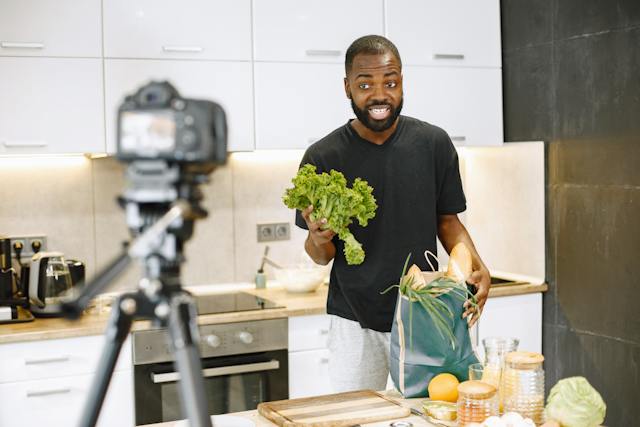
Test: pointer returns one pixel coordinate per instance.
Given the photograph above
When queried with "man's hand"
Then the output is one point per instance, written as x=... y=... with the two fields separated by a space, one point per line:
x=481 y=279
x=317 y=234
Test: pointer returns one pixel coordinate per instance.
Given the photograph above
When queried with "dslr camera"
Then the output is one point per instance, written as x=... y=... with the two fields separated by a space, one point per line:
x=156 y=123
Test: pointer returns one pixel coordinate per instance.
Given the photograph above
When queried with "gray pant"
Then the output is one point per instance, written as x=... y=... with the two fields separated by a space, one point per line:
x=359 y=357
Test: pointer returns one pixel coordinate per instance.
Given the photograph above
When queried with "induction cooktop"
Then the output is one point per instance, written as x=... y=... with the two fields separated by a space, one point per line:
x=232 y=301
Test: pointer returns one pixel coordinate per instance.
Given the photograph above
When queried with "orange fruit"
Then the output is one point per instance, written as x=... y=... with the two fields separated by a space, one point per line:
x=443 y=387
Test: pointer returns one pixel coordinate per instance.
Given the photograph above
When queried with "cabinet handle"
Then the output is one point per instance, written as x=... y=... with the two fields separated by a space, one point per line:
x=49 y=392
x=17 y=144
x=457 y=56
x=324 y=331
x=46 y=360
x=22 y=45
x=459 y=138
x=324 y=360
x=183 y=49
x=320 y=52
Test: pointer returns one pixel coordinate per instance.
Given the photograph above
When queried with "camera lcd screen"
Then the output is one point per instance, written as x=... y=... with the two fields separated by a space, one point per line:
x=147 y=133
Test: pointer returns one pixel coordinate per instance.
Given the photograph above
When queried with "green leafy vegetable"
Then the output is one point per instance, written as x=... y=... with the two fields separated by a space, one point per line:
x=427 y=297
x=573 y=402
x=332 y=199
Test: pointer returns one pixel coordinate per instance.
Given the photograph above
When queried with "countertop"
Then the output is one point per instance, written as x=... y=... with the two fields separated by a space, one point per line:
x=295 y=304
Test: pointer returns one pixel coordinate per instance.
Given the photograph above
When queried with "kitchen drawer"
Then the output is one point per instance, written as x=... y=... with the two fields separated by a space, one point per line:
x=308 y=31
x=309 y=373
x=308 y=332
x=227 y=83
x=187 y=29
x=55 y=358
x=50 y=28
x=59 y=402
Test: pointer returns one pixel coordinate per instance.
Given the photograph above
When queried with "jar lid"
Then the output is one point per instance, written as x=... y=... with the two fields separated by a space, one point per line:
x=476 y=389
x=524 y=359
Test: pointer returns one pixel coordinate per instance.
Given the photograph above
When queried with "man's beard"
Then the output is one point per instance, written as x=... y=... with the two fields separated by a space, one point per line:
x=377 y=125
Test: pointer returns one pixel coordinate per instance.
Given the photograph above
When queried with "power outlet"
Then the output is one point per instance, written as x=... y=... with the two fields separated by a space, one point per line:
x=28 y=244
x=273 y=232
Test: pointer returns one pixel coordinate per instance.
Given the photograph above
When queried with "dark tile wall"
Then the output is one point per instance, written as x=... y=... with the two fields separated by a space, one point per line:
x=571 y=77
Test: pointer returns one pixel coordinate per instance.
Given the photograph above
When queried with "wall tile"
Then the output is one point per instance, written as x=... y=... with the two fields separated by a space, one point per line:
x=532 y=19
x=597 y=90
x=527 y=94
x=580 y=17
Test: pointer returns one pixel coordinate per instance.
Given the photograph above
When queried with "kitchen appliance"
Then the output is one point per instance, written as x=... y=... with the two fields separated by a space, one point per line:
x=7 y=276
x=49 y=281
x=244 y=363
x=76 y=271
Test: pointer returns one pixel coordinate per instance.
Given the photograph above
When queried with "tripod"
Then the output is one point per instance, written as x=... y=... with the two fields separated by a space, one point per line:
x=159 y=296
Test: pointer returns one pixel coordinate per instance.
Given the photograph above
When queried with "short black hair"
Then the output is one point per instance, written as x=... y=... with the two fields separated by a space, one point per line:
x=370 y=45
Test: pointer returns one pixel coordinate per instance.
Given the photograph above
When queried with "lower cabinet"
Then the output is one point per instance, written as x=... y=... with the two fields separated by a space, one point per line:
x=308 y=356
x=47 y=382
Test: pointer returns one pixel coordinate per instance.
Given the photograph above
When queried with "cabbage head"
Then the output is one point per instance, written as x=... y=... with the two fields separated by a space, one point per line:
x=573 y=402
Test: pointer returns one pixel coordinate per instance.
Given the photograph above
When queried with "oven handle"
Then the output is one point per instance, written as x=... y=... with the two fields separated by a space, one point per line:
x=217 y=372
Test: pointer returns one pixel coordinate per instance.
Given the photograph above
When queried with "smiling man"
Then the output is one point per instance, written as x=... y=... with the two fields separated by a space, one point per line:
x=413 y=169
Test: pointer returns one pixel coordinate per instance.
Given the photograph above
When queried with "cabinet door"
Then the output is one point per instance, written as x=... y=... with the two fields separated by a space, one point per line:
x=59 y=402
x=308 y=332
x=297 y=104
x=196 y=29
x=312 y=31
x=449 y=33
x=50 y=28
x=227 y=83
x=309 y=373
x=465 y=102
x=518 y=316
x=51 y=105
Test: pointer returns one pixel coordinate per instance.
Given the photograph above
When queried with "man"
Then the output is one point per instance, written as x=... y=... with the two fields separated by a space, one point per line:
x=413 y=169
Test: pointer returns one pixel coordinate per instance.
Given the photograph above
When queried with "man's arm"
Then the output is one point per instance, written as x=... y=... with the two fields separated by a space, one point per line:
x=319 y=244
x=450 y=232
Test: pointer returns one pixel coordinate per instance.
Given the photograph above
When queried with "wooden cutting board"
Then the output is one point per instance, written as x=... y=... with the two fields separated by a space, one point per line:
x=341 y=409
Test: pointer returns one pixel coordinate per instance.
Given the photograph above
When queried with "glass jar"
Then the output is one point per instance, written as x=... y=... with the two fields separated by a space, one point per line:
x=523 y=385
x=495 y=350
x=477 y=401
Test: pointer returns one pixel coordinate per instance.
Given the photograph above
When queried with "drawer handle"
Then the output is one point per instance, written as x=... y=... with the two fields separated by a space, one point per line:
x=16 y=144
x=39 y=393
x=457 y=56
x=22 y=45
x=46 y=360
x=324 y=332
x=459 y=138
x=324 y=360
x=182 y=49
x=321 y=52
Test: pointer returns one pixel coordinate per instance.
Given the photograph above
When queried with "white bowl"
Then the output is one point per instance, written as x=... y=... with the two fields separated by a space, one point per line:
x=301 y=279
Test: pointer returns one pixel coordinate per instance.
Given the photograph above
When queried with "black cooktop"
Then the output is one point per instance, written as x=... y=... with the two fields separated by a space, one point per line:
x=232 y=301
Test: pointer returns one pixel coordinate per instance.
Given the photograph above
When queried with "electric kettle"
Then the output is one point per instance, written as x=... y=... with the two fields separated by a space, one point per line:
x=49 y=282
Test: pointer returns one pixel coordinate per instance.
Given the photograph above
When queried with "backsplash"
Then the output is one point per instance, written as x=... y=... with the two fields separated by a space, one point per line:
x=73 y=201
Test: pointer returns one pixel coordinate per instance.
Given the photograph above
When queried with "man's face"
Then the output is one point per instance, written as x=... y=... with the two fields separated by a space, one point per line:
x=374 y=86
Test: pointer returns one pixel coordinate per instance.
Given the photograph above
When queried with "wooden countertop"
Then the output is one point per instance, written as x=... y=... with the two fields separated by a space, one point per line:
x=295 y=304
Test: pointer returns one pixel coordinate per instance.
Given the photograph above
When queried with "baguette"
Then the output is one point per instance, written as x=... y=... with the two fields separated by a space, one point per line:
x=460 y=263
x=418 y=279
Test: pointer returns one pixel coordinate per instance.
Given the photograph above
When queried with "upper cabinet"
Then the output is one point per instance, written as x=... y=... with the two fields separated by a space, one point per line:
x=68 y=28
x=446 y=32
x=312 y=31
x=188 y=29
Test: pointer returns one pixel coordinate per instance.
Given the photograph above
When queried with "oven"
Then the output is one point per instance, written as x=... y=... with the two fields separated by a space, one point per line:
x=243 y=364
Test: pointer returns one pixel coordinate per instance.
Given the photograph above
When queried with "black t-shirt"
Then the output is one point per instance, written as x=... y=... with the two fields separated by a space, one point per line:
x=415 y=177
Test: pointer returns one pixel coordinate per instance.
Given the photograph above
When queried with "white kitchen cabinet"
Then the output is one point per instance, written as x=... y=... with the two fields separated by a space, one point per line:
x=308 y=356
x=67 y=28
x=189 y=29
x=465 y=102
x=47 y=383
x=297 y=104
x=518 y=316
x=312 y=31
x=51 y=105
x=446 y=33
x=227 y=83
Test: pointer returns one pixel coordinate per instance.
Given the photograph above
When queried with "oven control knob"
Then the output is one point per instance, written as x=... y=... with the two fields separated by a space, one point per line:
x=245 y=337
x=213 y=340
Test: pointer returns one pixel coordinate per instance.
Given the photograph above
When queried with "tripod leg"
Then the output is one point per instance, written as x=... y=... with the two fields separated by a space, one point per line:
x=117 y=331
x=183 y=330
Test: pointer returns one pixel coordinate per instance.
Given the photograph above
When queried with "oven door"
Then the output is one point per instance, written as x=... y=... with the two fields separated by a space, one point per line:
x=232 y=384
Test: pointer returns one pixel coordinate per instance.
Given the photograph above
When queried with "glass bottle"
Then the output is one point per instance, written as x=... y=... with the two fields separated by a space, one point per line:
x=523 y=385
x=477 y=401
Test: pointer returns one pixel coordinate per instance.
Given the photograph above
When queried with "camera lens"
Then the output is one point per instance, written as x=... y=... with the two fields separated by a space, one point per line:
x=151 y=97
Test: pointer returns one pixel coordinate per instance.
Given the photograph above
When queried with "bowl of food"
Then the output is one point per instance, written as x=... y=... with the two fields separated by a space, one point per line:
x=299 y=279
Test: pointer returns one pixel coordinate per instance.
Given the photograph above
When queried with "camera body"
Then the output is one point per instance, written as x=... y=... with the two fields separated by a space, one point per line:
x=156 y=123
